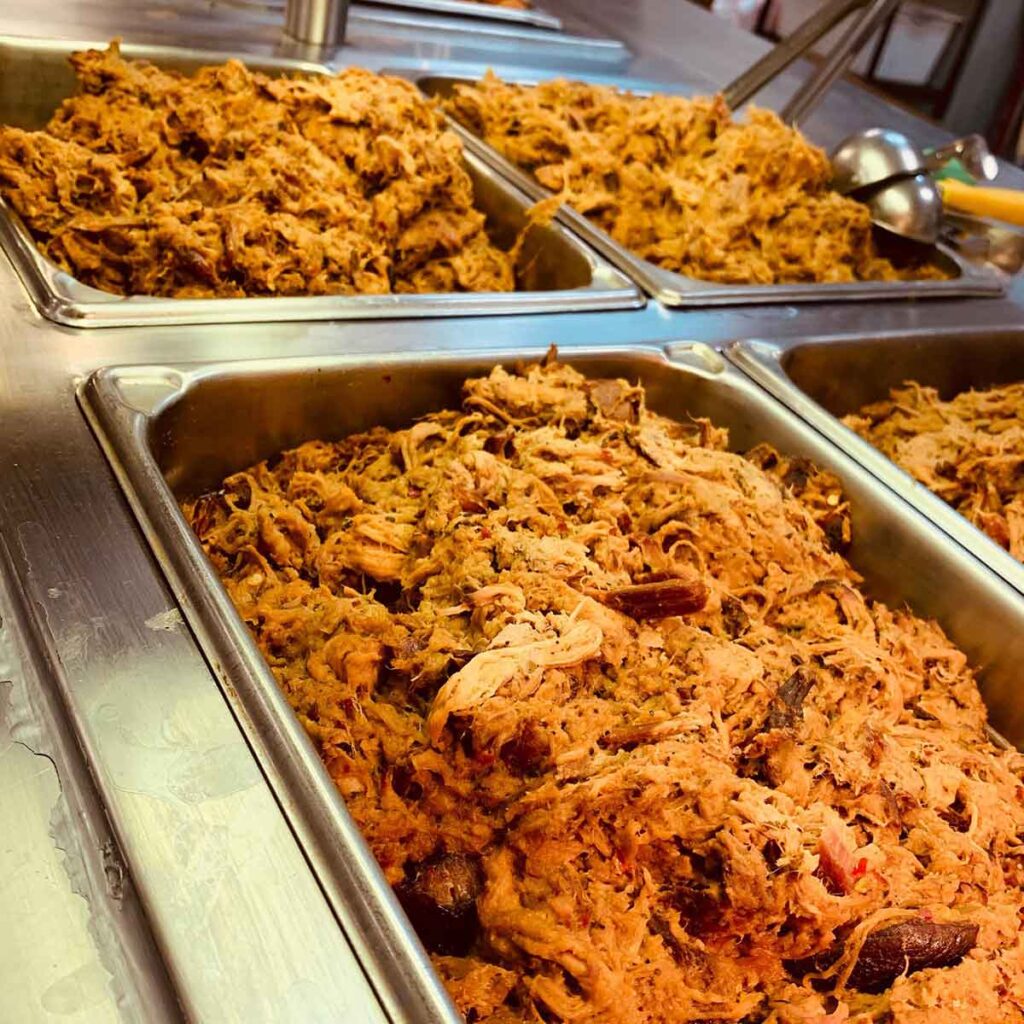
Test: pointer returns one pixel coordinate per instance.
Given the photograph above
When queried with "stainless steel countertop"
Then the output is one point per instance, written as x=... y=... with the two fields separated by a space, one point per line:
x=150 y=859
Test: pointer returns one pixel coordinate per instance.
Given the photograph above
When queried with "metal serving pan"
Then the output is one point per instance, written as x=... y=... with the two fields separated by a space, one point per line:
x=175 y=431
x=822 y=379
x=672 y=289
x=558 y=273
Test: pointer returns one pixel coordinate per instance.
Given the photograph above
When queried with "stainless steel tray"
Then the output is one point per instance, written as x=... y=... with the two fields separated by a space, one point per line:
x=174 y=431
x=822 y=379
x=672 y=289
x=558 y=272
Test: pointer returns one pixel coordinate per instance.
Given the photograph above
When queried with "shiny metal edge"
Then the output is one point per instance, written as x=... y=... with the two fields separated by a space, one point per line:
x=535 y=16
x=762 y=360
x=488 y=33
x=61 y=298
x=157 y=52
x=363 y=902
x=99 y=894
x=981 y=614
x=676 y=290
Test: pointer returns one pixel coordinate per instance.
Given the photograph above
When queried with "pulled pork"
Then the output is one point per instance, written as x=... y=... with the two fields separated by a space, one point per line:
x=619 y=723
x=233 y=183
x=680 y=183
x=969 y=451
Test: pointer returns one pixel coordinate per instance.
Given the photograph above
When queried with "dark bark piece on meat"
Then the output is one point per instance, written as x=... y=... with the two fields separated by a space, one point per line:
x=907 y=947
x=899 y=949
x=838 y=531
x=786 y=710
x=800 y=470
x=440 y=898
x=735 y=620
x=616 y=400
x=658 y=599
x=525 y=753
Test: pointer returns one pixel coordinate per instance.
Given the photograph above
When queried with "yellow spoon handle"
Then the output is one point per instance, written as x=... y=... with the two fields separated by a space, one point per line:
x=1006 y=204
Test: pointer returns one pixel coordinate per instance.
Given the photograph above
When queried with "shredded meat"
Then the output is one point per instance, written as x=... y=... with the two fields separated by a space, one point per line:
x=233 y=183
x=682 y=184
x=969 y=451
x=729 y=806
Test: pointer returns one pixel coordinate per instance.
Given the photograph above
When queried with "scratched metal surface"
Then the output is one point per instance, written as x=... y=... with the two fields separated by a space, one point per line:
x=83 y=950
x=188 y=893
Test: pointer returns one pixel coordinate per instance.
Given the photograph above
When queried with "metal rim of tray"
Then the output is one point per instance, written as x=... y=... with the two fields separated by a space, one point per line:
x=534 y=16
x=763 y=361
x=677 y=290
x=352 y=881
x=494 y=12
x=65 y=300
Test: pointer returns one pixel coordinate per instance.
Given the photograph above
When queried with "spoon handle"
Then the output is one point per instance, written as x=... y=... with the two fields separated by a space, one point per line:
x=777 y=59
x=809 y=95
x=1005 y=204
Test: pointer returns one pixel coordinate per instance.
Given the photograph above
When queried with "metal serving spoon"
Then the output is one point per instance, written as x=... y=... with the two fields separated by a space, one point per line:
x=878 y=154
x=886 y=170
x=910 y=207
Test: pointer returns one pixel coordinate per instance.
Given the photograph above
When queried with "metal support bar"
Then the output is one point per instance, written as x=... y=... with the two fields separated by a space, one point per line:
x=316 y=22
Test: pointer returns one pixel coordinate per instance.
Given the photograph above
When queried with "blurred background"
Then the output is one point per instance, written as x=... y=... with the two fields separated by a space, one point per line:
x=958 y=62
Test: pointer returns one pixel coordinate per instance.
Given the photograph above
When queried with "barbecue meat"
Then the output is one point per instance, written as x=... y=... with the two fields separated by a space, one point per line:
x=969 y=451
x=682 y=184
x=721 y=803
x=232 y=183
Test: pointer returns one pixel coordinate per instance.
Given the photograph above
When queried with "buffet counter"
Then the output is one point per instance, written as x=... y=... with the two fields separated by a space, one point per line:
x=150 y=834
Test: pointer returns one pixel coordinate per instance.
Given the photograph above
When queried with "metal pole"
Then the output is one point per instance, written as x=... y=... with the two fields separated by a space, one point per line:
x=837 y=61
x=316 y=22
x=773 y=63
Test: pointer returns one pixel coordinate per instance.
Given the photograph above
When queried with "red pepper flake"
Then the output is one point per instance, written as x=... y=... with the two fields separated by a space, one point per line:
x=861 y=869
x=485 y=533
